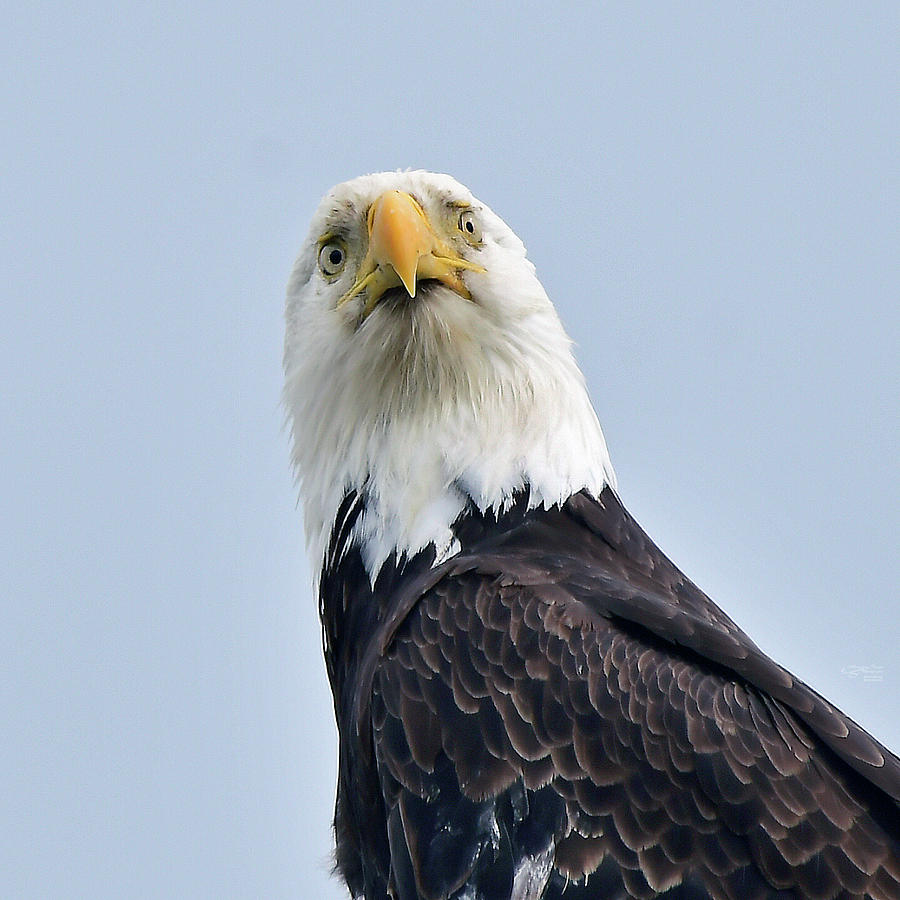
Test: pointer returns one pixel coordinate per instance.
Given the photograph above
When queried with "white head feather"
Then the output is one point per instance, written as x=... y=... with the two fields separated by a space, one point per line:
x=425 y=404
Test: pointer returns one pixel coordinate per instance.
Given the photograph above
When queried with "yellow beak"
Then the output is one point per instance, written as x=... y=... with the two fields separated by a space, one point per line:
x=399 y=235
x=404 y=249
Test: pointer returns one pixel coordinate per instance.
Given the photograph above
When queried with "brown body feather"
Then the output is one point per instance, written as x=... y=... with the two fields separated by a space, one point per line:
x=558 y=712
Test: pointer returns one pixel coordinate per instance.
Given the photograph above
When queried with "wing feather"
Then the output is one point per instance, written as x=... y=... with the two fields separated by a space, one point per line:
x=558 y=711
x=678 y=773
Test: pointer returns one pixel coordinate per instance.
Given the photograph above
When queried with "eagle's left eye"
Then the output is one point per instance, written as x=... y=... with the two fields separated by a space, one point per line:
x=468 y=225
x=332 y=258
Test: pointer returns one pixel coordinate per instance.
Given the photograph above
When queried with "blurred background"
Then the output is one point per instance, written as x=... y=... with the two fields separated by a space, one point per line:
x=711 y=196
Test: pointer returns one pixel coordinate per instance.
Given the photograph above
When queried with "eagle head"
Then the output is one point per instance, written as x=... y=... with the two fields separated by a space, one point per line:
x=427 y=371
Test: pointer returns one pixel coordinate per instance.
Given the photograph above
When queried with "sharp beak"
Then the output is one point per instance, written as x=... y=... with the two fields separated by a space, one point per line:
x=399 y=236
x=404 y=249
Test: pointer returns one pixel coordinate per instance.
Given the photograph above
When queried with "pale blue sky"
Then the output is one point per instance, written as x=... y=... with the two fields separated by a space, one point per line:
x=712 y=199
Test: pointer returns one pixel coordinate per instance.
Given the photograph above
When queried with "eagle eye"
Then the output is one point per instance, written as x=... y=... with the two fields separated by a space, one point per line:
x=468 y=225
x=332 y=258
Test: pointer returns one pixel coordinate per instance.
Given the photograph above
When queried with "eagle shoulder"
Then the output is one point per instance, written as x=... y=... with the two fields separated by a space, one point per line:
x=531 y=731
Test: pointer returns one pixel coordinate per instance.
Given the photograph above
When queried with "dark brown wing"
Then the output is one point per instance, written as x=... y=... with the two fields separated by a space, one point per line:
x=697 y=623
x=551 y=722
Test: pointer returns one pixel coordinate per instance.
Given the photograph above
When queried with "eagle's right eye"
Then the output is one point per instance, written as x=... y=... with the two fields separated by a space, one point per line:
x=332 y=258
x=468 y=225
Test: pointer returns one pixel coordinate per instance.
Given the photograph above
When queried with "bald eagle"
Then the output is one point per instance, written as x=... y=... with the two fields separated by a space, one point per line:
x=532 y=700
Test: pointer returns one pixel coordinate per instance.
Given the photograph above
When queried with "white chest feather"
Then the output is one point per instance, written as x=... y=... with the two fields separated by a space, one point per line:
x=425 y=409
